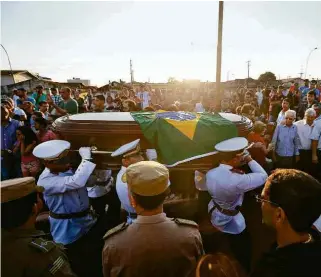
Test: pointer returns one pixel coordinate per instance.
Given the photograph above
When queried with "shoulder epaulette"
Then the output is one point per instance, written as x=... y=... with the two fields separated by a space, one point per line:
x=117 y=229
x=182 y=221
x=42 y=245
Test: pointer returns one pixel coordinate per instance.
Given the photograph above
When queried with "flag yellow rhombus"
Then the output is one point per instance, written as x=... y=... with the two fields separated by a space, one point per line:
x=187 y=127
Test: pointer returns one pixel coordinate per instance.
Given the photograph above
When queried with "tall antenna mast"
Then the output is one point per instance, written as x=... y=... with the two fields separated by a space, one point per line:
x=131 y=72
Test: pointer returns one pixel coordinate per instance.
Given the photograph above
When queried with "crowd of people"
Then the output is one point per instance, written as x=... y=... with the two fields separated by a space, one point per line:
x=282 y=151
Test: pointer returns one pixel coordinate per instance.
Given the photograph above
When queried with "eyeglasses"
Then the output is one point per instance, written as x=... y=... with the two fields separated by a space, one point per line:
x=289 y=118
x=259 y=199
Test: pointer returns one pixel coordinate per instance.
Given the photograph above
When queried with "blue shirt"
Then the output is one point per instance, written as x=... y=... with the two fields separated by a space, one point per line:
x=303 y=88
x=66 y=193
x=30 y=99
x=8 y=134
x=306 y=90
x=286 y=140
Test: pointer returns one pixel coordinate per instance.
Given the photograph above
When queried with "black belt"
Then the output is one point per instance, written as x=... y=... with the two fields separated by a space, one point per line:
x=224 y=211
x=132 y=215
x=69 y=216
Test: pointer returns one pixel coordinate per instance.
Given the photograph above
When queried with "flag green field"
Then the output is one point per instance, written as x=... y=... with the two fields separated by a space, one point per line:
x=181 y=135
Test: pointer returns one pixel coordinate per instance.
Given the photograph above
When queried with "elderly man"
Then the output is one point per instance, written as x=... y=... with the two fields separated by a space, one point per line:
x=305 y=127
x=290 y=203
x=285 y=142
x=227 y=184
x=71 y=221
x=153 y=245
x=67 y=105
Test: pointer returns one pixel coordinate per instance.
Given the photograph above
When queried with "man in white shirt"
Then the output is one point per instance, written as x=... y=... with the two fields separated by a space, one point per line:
x=285 y=107
x=15 y=97
x=259 y=96
x=199 y=108
x=227 y=184
x=316 y=147
x=305 y=128
x=144 y=96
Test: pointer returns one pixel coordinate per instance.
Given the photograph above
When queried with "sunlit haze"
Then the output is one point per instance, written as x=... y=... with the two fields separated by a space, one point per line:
x=96 y=40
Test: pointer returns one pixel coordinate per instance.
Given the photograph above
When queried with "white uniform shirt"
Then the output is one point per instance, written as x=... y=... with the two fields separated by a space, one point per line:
x=304 y=132
x=227 y=189
x=122 y=191
x=316 y=132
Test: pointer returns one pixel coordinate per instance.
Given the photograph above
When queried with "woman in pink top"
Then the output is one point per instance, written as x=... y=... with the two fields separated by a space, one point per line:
x=41 y=125
x=27 y=141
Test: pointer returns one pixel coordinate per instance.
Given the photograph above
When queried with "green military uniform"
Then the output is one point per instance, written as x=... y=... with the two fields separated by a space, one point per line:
x=24 y=250
x=27 y=253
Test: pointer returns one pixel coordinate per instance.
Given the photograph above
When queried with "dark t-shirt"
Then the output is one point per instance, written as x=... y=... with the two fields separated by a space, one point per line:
x=295 y=260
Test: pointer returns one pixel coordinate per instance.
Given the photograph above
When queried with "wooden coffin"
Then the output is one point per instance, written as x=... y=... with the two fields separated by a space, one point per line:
x=108 y=131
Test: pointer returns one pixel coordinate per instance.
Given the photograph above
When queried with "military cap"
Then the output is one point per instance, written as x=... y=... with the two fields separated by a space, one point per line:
x=14 y=189
x=128 y=149
x=51 y=150
x=147 y=178
x=232 y=145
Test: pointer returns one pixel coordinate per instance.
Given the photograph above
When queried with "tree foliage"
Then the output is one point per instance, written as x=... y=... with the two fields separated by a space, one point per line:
x=172 y=80
x=267 y=77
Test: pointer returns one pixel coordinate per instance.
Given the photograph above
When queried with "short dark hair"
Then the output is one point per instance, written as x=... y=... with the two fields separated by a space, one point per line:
x=299 y=195
x=100 y=97
x=151 y=202
x=311 y=92
x=42 y=102
x=15 y=213
x=38 y=114
x=286 y=100
x=41 y=121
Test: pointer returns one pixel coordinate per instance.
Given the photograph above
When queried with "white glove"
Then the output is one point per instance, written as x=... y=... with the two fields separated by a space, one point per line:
x=85 y=153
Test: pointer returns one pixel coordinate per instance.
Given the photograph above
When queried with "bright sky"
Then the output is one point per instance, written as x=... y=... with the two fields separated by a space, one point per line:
x=95 y=40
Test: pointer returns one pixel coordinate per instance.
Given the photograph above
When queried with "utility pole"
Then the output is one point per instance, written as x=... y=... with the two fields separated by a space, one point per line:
x=219 y=52
x=131 y=72
x=248 y=72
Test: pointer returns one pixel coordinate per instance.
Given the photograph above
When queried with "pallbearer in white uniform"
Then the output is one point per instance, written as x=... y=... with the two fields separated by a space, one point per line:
x=131 y=154
x=227 y=184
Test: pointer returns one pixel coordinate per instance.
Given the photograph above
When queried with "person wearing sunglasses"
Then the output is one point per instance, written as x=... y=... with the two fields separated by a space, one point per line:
x=285 y=142
x=226 y=185
x=290 y=204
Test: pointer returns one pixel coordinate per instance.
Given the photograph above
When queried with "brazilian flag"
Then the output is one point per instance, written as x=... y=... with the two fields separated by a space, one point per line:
x=181 y=135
